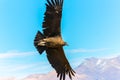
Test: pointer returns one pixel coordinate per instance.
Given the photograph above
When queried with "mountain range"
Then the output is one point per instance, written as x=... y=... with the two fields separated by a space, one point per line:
x=89 y=69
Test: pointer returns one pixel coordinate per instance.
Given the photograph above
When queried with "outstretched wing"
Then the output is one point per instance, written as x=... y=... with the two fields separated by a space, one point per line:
x=59 y=62
x=52 y=18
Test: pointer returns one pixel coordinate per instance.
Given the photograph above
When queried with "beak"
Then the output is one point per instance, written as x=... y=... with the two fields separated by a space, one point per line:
x=66 y=44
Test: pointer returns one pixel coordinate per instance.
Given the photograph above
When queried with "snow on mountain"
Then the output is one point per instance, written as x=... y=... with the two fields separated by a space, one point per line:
x=100 y=69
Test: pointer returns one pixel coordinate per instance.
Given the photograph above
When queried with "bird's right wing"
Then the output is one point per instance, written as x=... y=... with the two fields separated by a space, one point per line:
x=59 y=62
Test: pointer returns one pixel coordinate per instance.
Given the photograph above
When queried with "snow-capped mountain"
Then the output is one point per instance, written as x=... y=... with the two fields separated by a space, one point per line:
x=90 y=69
x=100 y=69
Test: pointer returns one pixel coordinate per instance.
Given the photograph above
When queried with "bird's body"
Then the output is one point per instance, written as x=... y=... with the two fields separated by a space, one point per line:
x=51 y=41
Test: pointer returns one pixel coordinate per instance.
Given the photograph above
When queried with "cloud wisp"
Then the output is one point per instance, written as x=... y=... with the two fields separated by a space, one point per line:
x=86 y=50
x=11 y=54
x=16 y=63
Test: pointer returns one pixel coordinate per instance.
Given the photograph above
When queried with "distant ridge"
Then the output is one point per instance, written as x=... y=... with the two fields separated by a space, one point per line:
x=89 y=69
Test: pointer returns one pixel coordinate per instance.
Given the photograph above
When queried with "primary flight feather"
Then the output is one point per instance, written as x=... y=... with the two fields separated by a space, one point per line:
x=51 y=40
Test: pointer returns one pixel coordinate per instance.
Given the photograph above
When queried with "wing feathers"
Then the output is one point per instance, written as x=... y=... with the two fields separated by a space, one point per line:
x=53 y=2
x=60 y=76
x=61 y=1
x=56 y=1
x=59 y=62
x=49 y=3
x=64 y=75
x=52 y=18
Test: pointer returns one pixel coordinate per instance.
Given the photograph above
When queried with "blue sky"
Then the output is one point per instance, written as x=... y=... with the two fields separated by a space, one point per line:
x=91 y=28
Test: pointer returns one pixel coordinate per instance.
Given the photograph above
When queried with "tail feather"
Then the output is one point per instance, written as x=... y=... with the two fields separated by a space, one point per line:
x=38 y=37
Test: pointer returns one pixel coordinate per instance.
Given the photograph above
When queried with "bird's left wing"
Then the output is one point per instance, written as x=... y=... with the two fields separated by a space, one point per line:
x=52 y=19
x=59 y=62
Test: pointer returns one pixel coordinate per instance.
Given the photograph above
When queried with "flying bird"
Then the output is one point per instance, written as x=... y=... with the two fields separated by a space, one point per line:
x=51 y=41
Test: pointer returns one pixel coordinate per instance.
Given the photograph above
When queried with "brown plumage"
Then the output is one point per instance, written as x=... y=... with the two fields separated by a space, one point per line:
x=51 y=40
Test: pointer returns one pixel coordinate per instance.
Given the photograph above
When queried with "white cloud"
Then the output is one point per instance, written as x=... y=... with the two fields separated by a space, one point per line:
x=16 y=68
x=21 y=70
x=9 y=61
x=18 y=64
x=86 y=50
x=11 y=54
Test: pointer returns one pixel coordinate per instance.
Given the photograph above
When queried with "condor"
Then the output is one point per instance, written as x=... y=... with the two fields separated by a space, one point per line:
x=51 y=41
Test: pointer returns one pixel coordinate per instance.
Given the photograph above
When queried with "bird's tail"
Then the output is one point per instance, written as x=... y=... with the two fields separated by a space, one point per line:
x=39 y=36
